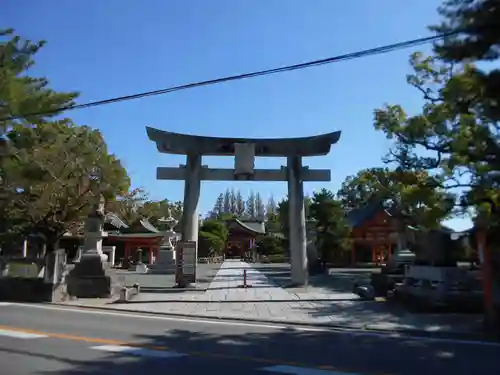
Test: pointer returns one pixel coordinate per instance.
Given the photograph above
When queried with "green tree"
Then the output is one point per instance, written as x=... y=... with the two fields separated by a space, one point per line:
x=453 y=138
x=58 y=170
x=240 y=205
x=283 y=212
x=218 y=207
x=476 y=25
x=251 y=209
x=233 y=208
x=260 y=208
x=213 y=237
x=410 y=192
x=269 y=245
x=155 y=210
x=127 y=205
x=271 y=208
x=22 y=97
x=477 y=38
x=332 y=229
x=227 y=202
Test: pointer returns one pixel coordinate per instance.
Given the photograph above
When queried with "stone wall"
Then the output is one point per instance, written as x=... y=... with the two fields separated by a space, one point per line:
x=47 y=285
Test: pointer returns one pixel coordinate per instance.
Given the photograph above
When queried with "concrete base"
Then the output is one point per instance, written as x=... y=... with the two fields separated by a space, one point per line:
x=88 y=279
x=162 y=271
x=27 y=290
x=186 y=285
x=141 y=268
x=165 y=263
x=90 y=287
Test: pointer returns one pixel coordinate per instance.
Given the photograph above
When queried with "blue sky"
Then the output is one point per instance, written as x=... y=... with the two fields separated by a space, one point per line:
x=118 y=47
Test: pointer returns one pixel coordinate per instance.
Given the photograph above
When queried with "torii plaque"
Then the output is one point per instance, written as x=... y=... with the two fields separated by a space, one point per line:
x=244 y=151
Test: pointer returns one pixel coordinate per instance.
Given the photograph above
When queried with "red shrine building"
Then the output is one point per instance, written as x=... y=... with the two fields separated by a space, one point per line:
x=242 y=236
x=374 y=233
x=129 y=238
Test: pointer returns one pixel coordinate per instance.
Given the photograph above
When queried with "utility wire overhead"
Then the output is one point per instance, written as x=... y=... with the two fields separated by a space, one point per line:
x=349 y=56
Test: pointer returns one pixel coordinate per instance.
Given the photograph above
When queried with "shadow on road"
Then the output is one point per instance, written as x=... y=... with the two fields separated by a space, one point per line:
x=360 y=354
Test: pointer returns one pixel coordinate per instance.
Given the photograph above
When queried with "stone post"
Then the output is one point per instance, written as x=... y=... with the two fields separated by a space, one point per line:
x=297 y=221
x=138 y=256
x=25 y=248
x=112 y=254
x=190 y=219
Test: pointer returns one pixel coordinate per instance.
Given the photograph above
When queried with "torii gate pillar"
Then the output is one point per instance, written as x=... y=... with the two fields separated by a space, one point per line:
x=297 y=221
x=190 y=219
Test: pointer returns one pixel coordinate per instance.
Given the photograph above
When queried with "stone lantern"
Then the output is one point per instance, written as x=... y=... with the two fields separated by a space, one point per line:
x=170 y=222
x=165 y=261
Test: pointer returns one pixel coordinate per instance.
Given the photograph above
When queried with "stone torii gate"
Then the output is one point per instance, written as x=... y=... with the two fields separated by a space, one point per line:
x=244 y=151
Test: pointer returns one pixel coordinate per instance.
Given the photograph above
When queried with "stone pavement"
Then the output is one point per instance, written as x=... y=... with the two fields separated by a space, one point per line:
x=267 y=302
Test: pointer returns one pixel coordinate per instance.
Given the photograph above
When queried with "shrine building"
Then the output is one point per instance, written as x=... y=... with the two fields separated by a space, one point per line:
x=374 y=233
x=129 y=238
x=242 y=236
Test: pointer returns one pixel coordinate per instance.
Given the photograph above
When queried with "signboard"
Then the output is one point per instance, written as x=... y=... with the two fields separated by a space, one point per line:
x=186 y=262
x=23 y=270
x=244 y=158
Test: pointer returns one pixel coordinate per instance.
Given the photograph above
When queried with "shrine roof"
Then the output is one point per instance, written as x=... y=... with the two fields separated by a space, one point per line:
x=141 y=226
x=114 y=220
x=256 y=227
x=358 y=216
x=148 y=226
x=177 y=143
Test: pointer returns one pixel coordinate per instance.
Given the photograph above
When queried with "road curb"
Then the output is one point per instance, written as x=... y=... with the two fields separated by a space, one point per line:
x=334 y=327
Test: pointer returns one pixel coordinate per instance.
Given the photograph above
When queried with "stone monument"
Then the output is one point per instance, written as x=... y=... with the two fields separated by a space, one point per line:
x=244 y=151
x=88 y=279
x=165 y=262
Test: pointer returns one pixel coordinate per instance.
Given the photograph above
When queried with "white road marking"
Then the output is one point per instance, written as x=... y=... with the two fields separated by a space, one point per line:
x=141 y=352
x=20 y=334
x=125 y=314
x=5 y=304
x=294 y=370
x=277 y=326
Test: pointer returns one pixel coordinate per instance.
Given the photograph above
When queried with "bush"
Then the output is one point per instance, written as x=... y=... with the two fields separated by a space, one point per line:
x=210 y=244
x=270 y=245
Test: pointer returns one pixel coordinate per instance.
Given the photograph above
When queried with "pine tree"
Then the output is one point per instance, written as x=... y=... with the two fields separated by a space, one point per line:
x=24 y=98
x=218 y=209
x=260 y=209
x=240 y=204
x=227 y=202
x=232 y=202
x=251 y=210
x=271 y=209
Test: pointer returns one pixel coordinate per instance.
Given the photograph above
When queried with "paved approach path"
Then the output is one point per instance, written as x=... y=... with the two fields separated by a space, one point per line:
x=266 y=302
x=227 y=285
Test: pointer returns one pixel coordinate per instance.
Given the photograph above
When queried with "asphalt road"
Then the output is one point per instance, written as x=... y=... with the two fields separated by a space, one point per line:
x=51 y=340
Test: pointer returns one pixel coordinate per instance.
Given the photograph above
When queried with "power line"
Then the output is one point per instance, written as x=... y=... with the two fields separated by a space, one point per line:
x=329 y=60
